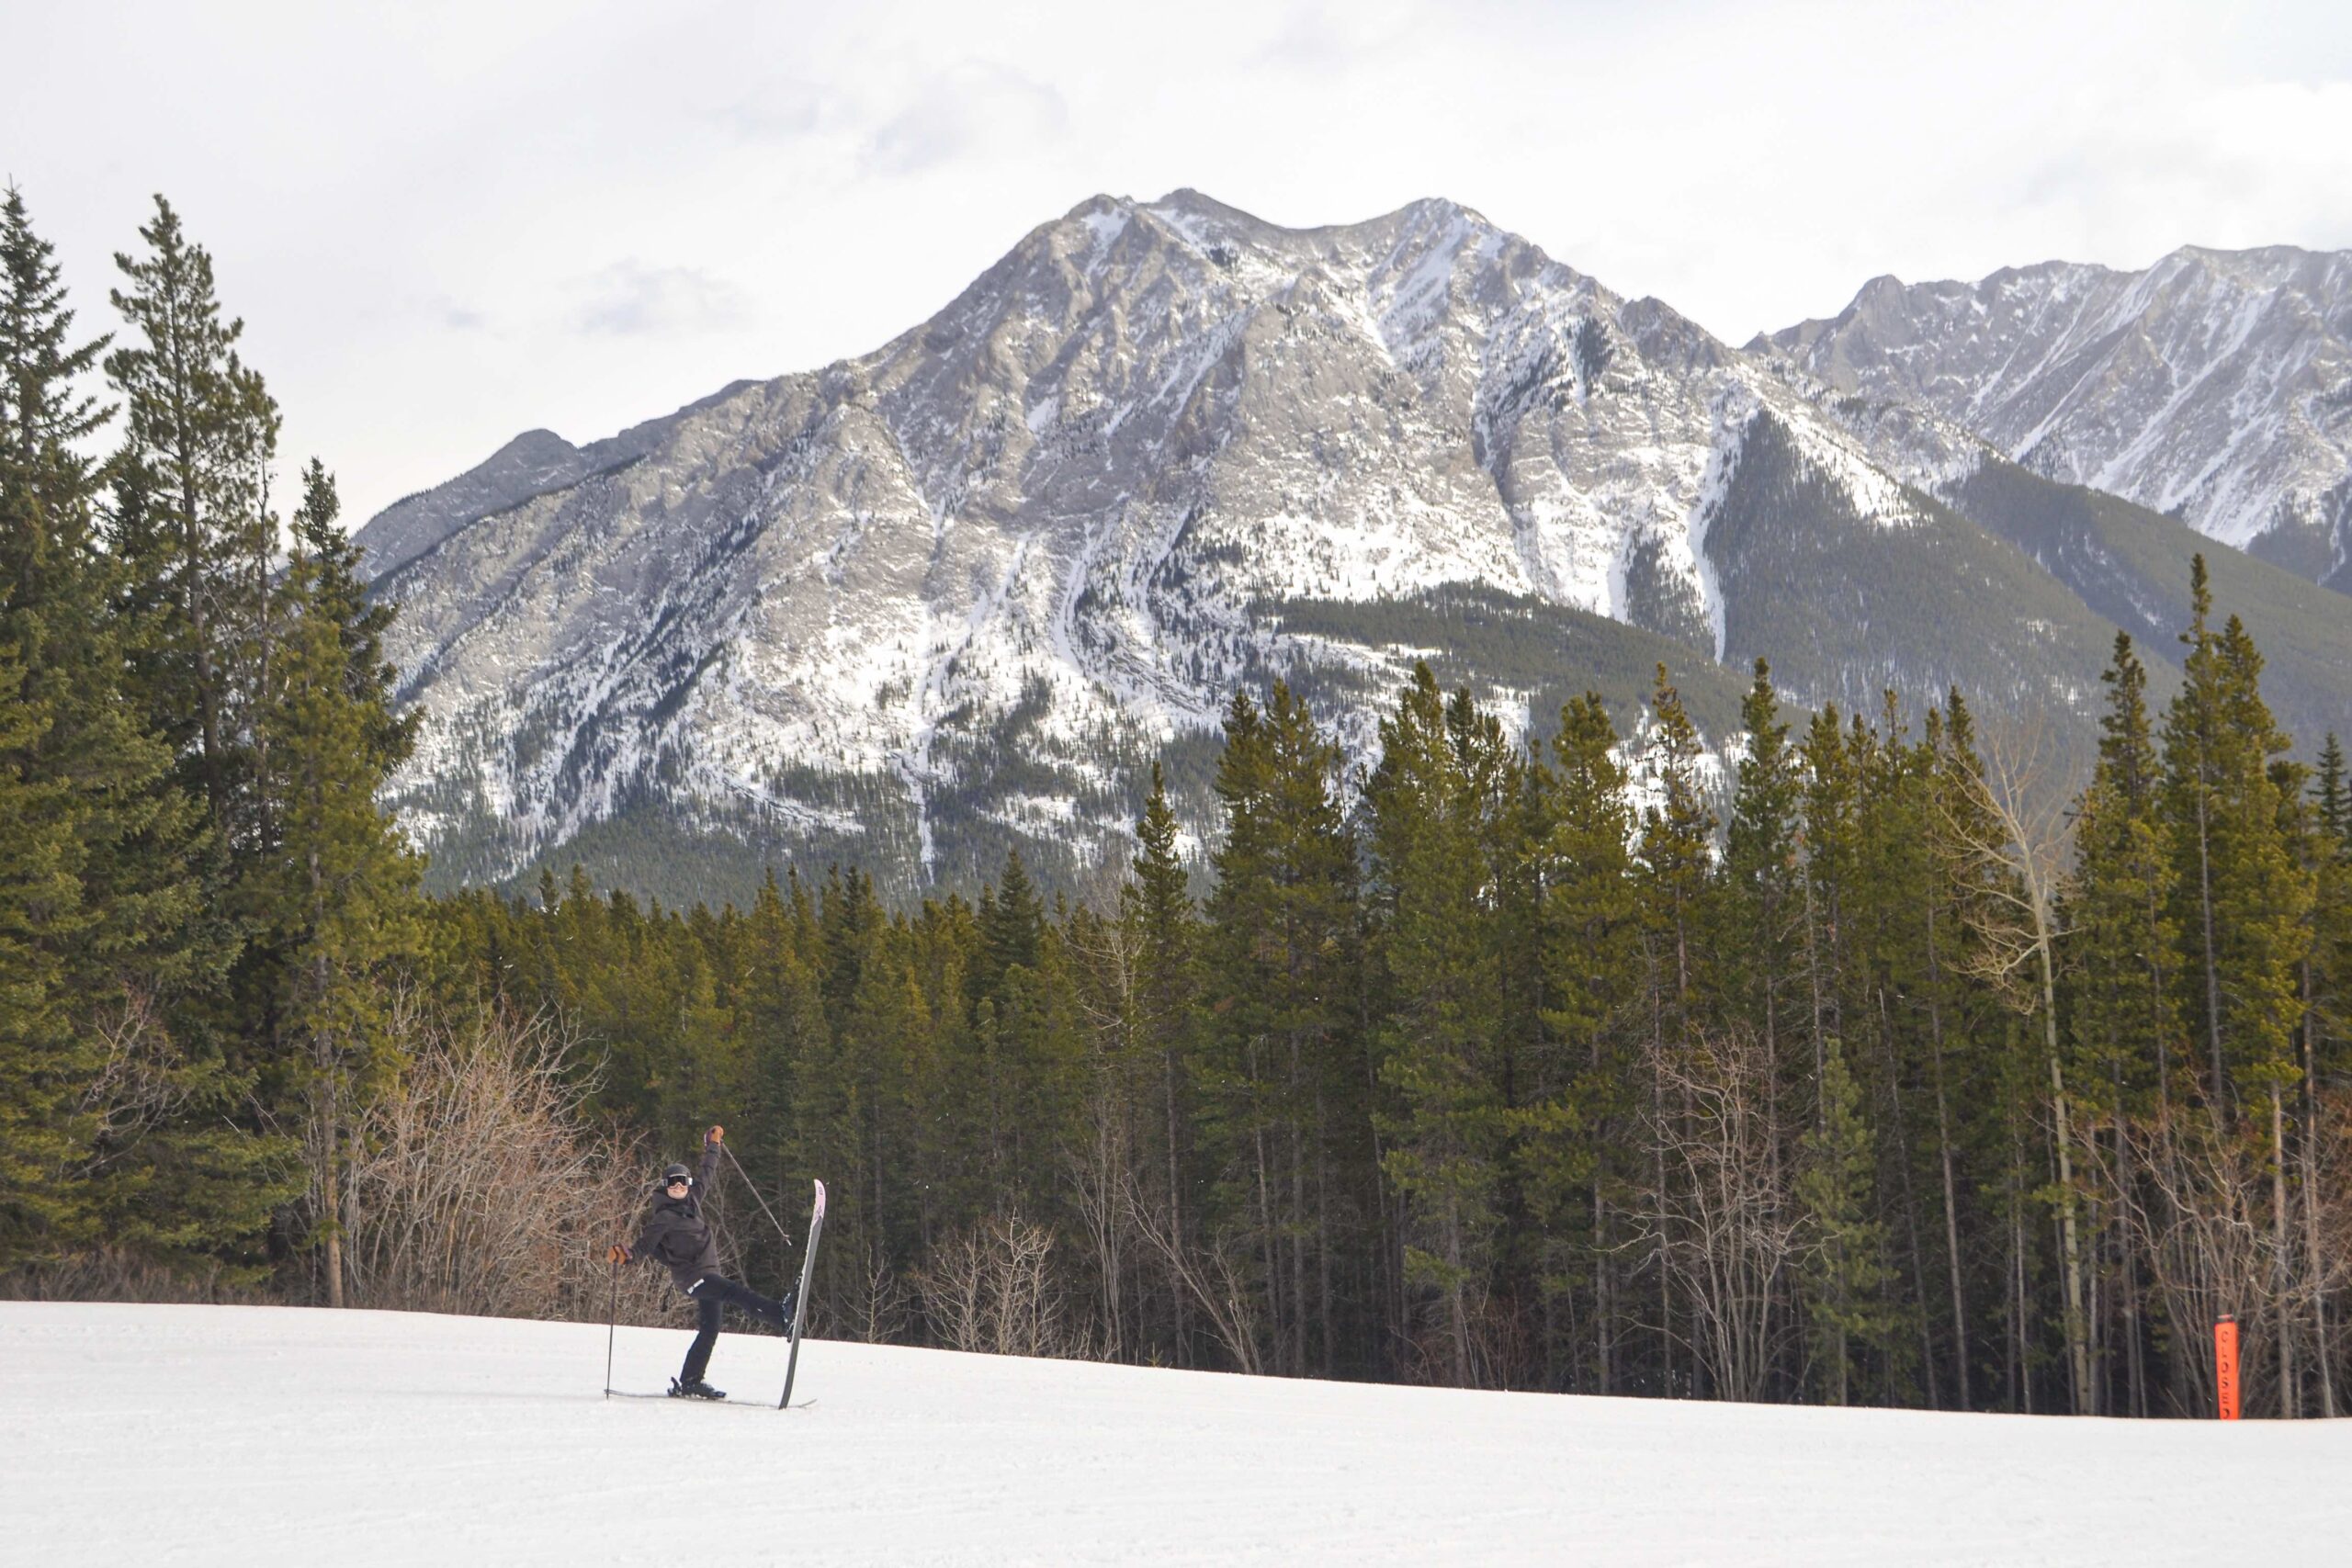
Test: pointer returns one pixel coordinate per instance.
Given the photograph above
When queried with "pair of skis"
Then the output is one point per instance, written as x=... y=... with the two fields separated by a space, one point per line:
x=799 y=1315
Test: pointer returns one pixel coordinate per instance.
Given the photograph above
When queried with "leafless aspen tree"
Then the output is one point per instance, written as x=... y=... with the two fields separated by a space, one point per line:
x=476 y=1185
x=2004 y=826
x=994 y=1288
x=1725 y=1228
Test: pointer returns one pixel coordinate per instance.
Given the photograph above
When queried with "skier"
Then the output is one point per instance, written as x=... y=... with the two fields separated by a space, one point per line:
x=676 y=1235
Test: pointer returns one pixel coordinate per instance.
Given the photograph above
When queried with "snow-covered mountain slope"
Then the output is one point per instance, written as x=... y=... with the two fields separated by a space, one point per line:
x=252 y=1434
x=2215 y=386
x=532 y=464
x=954 y=596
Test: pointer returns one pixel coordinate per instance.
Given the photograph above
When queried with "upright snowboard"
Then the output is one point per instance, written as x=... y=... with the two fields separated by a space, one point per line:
x=800 y=1301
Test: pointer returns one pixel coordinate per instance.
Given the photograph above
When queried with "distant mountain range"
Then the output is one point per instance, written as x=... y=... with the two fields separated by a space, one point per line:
x=2215 y=386
x=955 y=596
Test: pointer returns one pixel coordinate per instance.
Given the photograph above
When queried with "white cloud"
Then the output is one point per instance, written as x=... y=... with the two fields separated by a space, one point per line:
x=630 y=299
x=976 y=110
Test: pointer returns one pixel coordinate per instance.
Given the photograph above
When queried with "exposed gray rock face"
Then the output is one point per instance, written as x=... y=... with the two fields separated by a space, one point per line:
x=982 y=575
x=2215 y=386
x=955 y=596
x=532 y=464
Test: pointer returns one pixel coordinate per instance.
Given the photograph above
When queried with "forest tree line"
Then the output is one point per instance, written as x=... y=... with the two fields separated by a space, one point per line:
x=1893 y=1068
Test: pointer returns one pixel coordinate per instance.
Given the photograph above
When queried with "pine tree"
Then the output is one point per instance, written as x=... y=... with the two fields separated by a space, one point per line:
x=95 y=898
x=2003 y=837
x=44 y=607
x=2240 y=897
x=1283 y=1069
x=193 y=533
x=2122 y=1017
x=1845 y=1303
x=782 y=1020
x=339 y=894
x=1832 y=869
x=2244 y=892
x=1674 y=884
x=1575 y=1123
x=1157 y=910
x=1012 y=923
x=1959 y=1029
x=1437 y=802
x=1763 y=898
x=2328 y=1017
x=2326 y=1035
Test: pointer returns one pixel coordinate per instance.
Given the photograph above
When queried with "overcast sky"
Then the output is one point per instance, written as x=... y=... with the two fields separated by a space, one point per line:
x=448 y=224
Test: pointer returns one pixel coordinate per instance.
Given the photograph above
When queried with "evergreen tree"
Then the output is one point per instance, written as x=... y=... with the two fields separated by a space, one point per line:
x=338 y=895
x=46 y=650
x=2241 y=899
x=1578 y=1114
x=96 y=911
x=1437 y=802
x=1283 y=1069
x=1674 y=884
x=1013 y=925
x=1832 y=869
x=1155 y=907
x=1763 y=902
x=193 y=533
x=1845 y=1303
x=2328 y=1014
x=2123 y=1015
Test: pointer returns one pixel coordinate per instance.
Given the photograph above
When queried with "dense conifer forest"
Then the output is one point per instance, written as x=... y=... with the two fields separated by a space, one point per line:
x=1903 y=1066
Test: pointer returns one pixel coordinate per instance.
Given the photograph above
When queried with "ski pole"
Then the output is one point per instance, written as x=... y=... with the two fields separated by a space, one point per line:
x=612 y=1321
x=755 y=1195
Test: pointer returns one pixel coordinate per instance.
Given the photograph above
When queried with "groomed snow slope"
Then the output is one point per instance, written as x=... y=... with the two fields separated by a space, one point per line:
x=146 y=1434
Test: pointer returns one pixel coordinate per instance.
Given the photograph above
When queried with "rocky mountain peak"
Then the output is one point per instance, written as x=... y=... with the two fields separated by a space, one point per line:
x=2208 y=386
x=956 y=595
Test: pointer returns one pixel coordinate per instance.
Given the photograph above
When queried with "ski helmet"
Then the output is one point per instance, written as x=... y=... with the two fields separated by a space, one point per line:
x=677 y=1173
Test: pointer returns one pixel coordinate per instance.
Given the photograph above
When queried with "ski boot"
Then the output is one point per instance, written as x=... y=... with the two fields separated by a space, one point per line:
x=695 y=1389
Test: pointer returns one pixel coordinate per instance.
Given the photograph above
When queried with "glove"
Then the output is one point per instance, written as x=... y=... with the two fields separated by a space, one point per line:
x=715 y=1135
x=619 y=1254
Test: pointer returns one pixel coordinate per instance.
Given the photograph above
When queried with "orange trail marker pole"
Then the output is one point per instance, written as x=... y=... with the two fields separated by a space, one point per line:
x=2225 y=1365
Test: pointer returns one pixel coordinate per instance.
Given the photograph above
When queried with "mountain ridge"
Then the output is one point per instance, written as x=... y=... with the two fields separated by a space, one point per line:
x=954 y=596
x=2211 y=385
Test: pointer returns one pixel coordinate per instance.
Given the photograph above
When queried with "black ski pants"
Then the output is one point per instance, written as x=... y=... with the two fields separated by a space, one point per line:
x=711 y=1296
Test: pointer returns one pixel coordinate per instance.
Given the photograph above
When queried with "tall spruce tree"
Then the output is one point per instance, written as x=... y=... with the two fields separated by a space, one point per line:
x=1846 y=1305
x=1285 y=1072
x=2122 y=1009
x=1438 y=803
x=1763 y=899
x=1156 y=905
x=2245 y=896
x=1673 y=882
x=339 y=890
x=96 y=908
x=1574 y=1150
x=2240 y=897
x=48 y=675
x=192 y=529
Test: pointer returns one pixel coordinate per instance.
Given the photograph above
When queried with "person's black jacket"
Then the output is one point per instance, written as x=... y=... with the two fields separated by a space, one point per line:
x=675 y=1234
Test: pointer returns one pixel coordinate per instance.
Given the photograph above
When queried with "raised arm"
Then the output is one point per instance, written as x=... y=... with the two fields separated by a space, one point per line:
x=710 y=1142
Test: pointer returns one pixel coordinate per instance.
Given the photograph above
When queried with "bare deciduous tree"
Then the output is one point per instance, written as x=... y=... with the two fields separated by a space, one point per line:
x=1722 y=1219
x=2005 y=824
x=994 y=1288
x=475 y=1184
x=2204 y=1225
x=1209 y=1275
